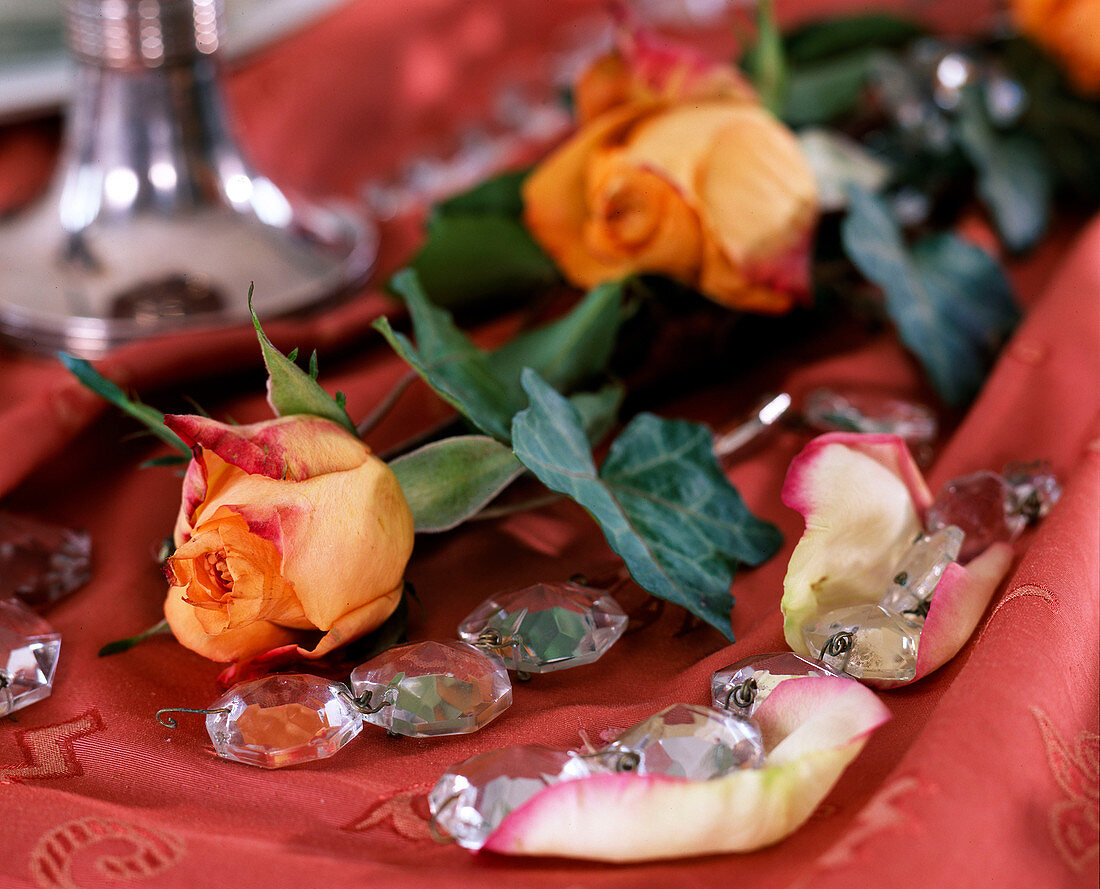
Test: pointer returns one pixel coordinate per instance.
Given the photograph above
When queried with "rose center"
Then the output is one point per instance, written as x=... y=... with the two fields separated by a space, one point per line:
x=219 y=569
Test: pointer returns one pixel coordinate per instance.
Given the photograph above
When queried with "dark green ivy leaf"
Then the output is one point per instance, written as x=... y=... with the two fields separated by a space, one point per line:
x=500 y=196
x=950 y=301
x=1014 y=177
x=485 y=387
x=836 y=36
x=660 y=498
x=290 y=390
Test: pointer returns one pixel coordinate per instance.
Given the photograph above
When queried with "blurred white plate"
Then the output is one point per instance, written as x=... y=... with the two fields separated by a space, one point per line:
x=35 y=70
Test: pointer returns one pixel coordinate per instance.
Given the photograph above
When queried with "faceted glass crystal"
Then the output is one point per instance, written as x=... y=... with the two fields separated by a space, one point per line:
x=1035 y=488
x=41 y=562
x=282 y=720
x=28 y=656
x=688 y=741
x=982 y=506
x=546 y=627
x=434 y=688
x=884 y=645
x=920 y=571
x=766 y=671
x=867 y=411
x=472 y=798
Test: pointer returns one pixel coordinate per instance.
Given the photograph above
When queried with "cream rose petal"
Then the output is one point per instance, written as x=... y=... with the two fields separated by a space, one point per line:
x=863 y=499
x=231 y=645
x=813 y=728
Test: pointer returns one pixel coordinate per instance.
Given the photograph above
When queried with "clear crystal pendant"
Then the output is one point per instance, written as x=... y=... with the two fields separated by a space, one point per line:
x=1035 y=489
x=746 y=684
x=686 y=741
x=41 y=562
x=920 y=571
x=434 y=688
x=282 y=720
x=866 y=642
x=472 y=798
x=873 y=412
x=546 y=627
x=28 y=656
x=983 y=506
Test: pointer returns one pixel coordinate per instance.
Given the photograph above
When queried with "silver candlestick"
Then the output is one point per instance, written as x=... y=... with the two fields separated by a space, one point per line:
x=155 y=221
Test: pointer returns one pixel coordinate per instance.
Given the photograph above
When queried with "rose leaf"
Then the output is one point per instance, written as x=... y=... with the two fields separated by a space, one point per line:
x=448 y=481
x=502 y=195
x=105 y=389
x=660 y=498
x=485 y=387
x=950 y=301
x=290 y=390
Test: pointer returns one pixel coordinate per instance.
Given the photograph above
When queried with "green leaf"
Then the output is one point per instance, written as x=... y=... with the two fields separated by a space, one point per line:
x=839 y=162
x=448 y=481
x=474 y=256
x=766 y=62
x=500 y=196
x=836 y=36
x=1014 y=178
x=104 y=388
x=290 y=390
x=950 y=301
x=660 y=498
x=121 y=645
x=485 y=387
x=820 y=92
x=599 y=410
x=166 y=460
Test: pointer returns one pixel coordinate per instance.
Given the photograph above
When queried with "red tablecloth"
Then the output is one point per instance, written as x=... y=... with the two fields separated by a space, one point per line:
x=987 y=776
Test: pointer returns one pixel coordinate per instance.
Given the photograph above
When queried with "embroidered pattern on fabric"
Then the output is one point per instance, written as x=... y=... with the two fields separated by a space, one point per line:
x=881 y=813
x=1075 y=820
x=404 y=812
x=1027 y=590
x=49 y=752
x=53 y=856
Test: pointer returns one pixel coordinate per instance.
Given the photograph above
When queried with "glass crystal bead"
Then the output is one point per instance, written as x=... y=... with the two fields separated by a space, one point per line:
x=687 y=741
x=41 y=562
x=1035 y=489
x=868 y=411
x=434 y=688
x=546 y=627
x=282 y=720
x=767 y=671
x=883 y=645
x=981 y=505
x=472 y=798
x=920 y=571
x=29 y=647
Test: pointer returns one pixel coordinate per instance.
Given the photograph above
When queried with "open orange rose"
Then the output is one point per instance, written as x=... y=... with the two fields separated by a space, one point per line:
x=678 y=170
x=287 y=528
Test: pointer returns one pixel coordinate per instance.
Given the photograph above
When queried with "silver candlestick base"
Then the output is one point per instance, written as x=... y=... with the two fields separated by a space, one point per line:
x=155 y=221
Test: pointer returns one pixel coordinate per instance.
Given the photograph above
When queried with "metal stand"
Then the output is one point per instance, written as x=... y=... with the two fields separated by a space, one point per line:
x=155 y=221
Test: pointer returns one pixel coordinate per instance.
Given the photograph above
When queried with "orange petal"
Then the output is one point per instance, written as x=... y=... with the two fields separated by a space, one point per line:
x=231 y=645
x=356 y=623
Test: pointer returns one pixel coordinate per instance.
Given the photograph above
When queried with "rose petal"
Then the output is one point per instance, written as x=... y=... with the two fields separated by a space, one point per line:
x=814 y=726
x=856 y=495
x=230 y=645
x=554 y=198
x=355 y=623
x=958 y=605
x=293 y=448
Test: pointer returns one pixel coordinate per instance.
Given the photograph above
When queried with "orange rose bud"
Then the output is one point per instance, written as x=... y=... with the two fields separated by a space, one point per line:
x=1070 y=31
x=288 y=530
x=677 y=170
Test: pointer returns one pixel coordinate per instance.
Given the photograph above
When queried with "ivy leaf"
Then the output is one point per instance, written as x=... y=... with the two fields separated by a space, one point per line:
x=150 y=417
x=950 y=301
x=835 y=36
x=448 y=481
x=1014 y=177
x=820 y=92
x=485 y=387
x=290 y=390
x=599 y=410
x=660 y=498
